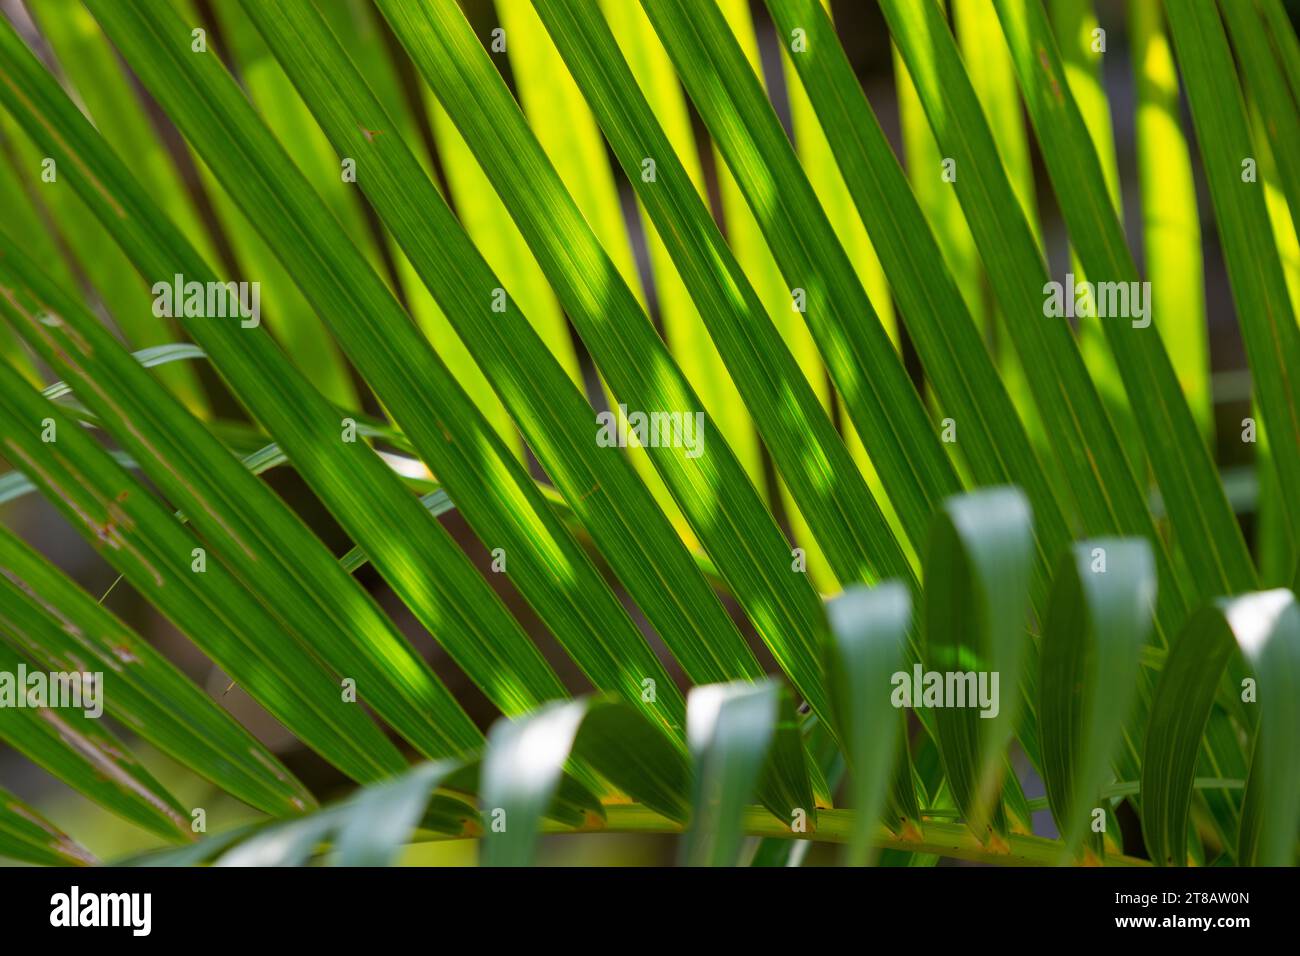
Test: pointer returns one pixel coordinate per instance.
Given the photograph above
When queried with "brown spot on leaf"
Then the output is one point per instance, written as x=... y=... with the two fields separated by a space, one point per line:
x=996 y=844
x=1051 y=75
x=909 y=831
x=123 y=654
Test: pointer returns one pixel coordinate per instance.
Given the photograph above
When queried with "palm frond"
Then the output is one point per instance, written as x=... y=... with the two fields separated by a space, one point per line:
x=631 y=443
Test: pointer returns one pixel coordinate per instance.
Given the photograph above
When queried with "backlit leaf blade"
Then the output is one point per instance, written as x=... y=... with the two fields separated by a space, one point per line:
x=988 y=61
x=86 y=251
x=751 y=250
x=1207 y=534
x=684 y=329
x=572 y=143
x=1071 y=410
x=988 y=429
x=498 y=498
x=598 y=484
x=882 y=402
x=1171 y=226
x=1266 y=85
x=1082 y=44
x=1109 y=498
x=711 y=487
x=842 y=513
x=930 y=178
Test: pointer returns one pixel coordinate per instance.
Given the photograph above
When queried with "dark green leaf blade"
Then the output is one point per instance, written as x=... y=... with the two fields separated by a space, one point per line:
x=522 y=767
x=710 y=486
x=370 y=502
x=866 y=647
x=1263 y=625
x=60 y=627
x=27 y=836
x=785 y=784
x=1270 y=812
x=599 y=485
x=491 y=489
x=617 y=742
x=53 y=718
x=1097 y=622
x=729 y=729
x=268 y=547
x=141 y=537
x=977 y=571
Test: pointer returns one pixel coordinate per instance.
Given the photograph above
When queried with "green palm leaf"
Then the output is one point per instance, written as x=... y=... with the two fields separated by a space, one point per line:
x=868 y=633
x=26 y=835
x=711 y=487
x=978 y=566
x=386 y=508
x=1263 y=626
x=63 y=630
x=558 y=422
x=73 y=746
x=1097 y=623
x=325 y=610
